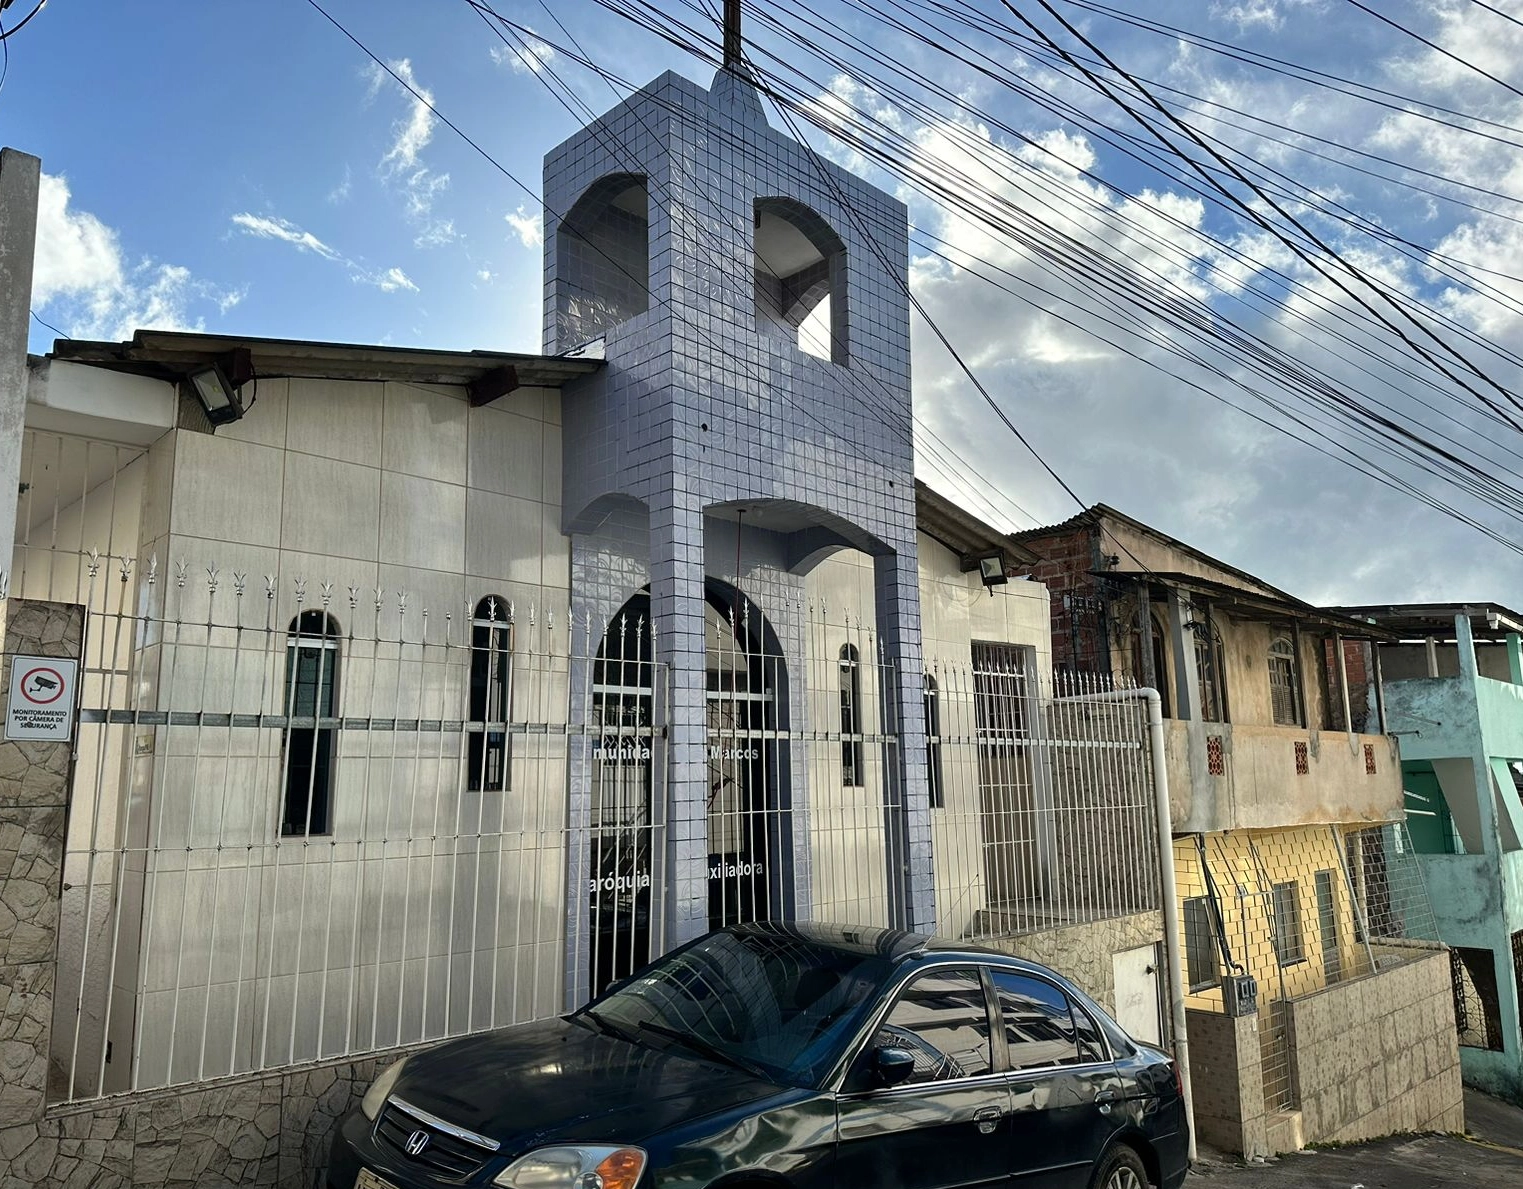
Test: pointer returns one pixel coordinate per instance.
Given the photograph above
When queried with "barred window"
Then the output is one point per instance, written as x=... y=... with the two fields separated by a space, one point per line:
x=1288 y=945
x=933 y=743
x=312 y=656
x=851 y=718
x=487 y=753
x=1284 y=691
x=1202 y=967
x=999 y=695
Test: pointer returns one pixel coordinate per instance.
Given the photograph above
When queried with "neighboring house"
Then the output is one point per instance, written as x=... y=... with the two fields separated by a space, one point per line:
x=1454 y=698
x=1291 y=864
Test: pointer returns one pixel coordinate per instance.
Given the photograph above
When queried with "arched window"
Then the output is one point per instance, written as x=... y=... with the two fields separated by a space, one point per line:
x=487 y=752
x=312 y=656
x=1284 y=683
x=851 y=718
x=1211 y=671
x=933 y=743
x=1160 y=662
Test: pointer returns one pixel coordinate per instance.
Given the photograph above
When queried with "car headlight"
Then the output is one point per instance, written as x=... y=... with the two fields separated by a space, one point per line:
x=581 y=1167
x=375 y=1097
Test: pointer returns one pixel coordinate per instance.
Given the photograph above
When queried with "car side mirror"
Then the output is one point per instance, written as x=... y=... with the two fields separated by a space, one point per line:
x=892 y=1066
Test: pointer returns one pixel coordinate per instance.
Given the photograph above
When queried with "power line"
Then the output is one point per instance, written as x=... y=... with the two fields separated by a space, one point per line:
x=679 y=41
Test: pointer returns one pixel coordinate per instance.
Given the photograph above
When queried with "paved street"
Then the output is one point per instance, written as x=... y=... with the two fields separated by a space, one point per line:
x=1493 y=1157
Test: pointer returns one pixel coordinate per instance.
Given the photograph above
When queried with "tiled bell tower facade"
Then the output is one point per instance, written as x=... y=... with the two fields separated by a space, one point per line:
x=693 y=239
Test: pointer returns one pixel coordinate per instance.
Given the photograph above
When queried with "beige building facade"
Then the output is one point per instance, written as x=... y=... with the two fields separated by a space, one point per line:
x=1298 y=890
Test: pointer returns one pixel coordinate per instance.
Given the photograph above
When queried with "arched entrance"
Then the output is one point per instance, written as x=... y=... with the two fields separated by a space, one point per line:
x=750 y=868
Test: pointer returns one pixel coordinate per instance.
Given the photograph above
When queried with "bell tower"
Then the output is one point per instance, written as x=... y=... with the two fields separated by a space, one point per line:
x=749 y=299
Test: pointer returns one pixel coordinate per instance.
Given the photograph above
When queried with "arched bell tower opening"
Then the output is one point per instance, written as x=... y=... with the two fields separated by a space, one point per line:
x=749 y=827
x=800 y=278
x=603 y=252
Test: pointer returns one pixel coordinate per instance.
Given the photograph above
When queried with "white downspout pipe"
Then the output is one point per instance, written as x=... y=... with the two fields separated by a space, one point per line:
x=1170 y=894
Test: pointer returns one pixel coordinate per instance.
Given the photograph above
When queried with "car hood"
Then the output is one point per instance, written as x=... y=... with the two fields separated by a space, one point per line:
x=557 y=1081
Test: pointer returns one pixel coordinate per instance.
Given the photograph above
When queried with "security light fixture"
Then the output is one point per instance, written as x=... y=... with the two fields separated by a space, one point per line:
x=991 y=568
x=218 y=385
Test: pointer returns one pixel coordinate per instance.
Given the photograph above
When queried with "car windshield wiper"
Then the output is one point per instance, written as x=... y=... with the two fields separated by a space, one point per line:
x=707 y=1048
x=607 y=1026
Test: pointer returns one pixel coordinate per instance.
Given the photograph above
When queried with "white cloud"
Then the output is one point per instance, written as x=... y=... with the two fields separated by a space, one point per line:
x=281 y=230
x=412 y=133
x=530 y=58
x=390 y=281
x=81 y=277
x=340 y=192
x=530 y=229
x=402 y=166
x=484 y=275
x=270 y=227
x=76 y=252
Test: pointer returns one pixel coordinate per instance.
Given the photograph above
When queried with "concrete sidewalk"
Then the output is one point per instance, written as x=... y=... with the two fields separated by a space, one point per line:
x=1489 y=1157
x=1426 y=1162
x=1492 y=1120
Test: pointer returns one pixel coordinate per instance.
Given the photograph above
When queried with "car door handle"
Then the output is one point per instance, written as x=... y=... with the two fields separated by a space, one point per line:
x=1104 y=1100
x=987 y=1118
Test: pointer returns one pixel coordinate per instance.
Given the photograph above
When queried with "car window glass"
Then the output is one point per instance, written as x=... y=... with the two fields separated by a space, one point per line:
x=775 y=1000
x=943 y=1020
x=1039 y=1025
x=1087 y=1033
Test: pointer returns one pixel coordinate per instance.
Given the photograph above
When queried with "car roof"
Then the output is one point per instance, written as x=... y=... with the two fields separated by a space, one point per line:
x=896 y=945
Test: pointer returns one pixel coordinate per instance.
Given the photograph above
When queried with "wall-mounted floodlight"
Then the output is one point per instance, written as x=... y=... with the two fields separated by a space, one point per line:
x=991 y=568
x=218 y=385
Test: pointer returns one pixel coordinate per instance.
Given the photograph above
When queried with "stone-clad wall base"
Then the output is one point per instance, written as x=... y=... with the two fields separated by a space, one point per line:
x=1379 y=1055
x=258 y=1130
x=1085 y=953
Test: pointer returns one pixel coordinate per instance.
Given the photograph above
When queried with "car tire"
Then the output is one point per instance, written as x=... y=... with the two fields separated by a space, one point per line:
x=1121 y=1168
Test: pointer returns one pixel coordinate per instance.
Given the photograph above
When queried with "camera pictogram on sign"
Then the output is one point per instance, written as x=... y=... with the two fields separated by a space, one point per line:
x=42 y=686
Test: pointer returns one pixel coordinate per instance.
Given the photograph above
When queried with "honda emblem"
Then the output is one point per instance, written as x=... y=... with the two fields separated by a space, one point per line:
x=416 y=1142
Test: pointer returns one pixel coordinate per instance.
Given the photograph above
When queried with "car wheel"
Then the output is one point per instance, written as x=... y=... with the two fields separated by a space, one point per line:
x=1121 y=1169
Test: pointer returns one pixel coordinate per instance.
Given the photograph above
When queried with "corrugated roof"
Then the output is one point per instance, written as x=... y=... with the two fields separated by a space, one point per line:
x=962 y=532
x=1421 y=620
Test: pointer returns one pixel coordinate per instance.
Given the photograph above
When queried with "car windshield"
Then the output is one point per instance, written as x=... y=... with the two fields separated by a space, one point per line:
x=776 y=1004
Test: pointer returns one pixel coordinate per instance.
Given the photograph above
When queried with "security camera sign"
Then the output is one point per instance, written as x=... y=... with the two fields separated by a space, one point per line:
x=42 y=698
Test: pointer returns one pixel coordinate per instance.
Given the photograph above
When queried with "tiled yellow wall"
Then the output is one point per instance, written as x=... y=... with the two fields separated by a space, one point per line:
x=1254 y=861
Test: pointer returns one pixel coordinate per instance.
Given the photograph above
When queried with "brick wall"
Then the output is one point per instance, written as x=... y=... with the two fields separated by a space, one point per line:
x=1356 y=660
x=1067 y=559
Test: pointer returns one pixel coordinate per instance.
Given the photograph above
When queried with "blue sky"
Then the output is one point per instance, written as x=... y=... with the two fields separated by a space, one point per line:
x=241 y=168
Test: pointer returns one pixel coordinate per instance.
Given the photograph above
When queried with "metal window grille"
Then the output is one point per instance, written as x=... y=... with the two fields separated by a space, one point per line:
x=491 y=696
x=1369 y=759
x=1202 y=963
x=851 y=716
x=1373 y=913
x=1049 y=815
x=1284 y=697
x=312 y=662
x=1517 y=963
x=1289 y=947
x=1477 y=1007
x=1303 y=758
x=933 y=772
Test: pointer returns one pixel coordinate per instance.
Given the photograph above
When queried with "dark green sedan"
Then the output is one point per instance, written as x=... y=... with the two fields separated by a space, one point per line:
x=773 y=1056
